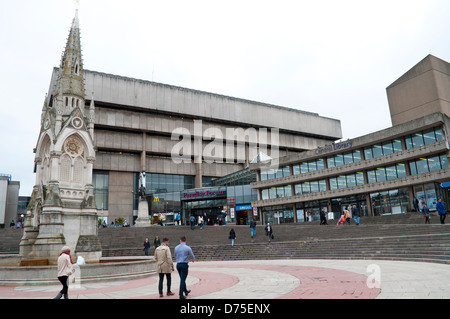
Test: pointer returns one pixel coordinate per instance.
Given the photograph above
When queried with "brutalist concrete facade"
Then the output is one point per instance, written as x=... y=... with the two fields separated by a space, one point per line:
x=136 y=125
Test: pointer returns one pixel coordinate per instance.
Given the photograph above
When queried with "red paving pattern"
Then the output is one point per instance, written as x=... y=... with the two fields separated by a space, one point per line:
x=315 y=283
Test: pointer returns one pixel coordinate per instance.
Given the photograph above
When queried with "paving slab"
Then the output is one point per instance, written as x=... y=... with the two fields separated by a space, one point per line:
x=272 y=279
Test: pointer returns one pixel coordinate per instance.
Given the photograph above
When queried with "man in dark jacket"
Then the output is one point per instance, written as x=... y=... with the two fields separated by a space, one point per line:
x=356 y=214
x=441 y=210
x=269 y=231
x=253 y=227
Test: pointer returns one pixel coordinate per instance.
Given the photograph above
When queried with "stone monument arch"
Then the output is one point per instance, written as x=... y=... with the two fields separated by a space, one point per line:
x=62 y=208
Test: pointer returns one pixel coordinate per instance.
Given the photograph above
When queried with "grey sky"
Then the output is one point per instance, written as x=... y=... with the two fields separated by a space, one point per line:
x=332 y=57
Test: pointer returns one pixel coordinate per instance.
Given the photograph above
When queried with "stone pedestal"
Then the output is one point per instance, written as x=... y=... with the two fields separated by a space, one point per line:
x=142 y=219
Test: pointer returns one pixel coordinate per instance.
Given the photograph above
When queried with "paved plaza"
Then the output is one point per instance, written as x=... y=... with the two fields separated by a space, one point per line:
x=274 y=279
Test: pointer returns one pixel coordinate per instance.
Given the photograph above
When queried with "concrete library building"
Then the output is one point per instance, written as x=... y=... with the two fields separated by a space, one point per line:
x=382 y=172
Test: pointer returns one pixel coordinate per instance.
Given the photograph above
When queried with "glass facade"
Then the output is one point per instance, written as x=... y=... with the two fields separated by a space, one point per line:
x=278 y=215
x=308 y=167
x=382 y=174
x=275 y=173
x=382 y=149
x=390 y=201
x=345 y=181
x=100 y=181
x=344 y=159
x=165 y=183
x=424 y=138
x=428 y=164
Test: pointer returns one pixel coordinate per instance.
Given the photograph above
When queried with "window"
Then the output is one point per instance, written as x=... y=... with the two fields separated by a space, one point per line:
x=385 y=148
x=333 y=183
x=401 y=170
x=377 y=150
x=298 y=189
x=429 y=164
x=424 y=138
x=371 y=176
x=101 y=189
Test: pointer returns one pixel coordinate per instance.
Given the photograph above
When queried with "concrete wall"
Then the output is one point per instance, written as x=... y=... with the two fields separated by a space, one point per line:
x=423 y=90
x=120 y=194
x=170 y=99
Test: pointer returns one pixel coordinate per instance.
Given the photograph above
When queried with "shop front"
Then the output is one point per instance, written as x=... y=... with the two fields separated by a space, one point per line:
x=209 y=203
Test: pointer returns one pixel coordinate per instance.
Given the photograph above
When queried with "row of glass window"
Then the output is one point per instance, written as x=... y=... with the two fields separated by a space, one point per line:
x=307 y=167
x=424 y=138
x=428 y=164
x=344 y=159
x=380 y=174
x=345 y=181
x=382 y=149
x=311 y=187
x=275 y=173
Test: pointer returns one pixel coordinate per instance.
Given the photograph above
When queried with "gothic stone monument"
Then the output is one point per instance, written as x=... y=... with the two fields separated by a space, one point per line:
x=62 y=210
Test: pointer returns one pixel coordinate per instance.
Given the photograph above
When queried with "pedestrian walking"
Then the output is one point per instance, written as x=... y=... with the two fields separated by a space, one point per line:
x=183 y=253
x=156 y=242
x=65 y=269
x=426 y=214
x=356 y=214
x=232 y=236
x=416 y=204
x=347 y=215
x=441 y=210
x=253 y=227
x=192 y=221
x=200 y=222
x=323 y=217
x=164 y=267
x=146 y=246
x=269 y=231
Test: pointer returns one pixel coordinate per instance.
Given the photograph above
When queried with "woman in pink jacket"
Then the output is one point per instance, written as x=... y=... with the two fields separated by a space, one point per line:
x=64 y=271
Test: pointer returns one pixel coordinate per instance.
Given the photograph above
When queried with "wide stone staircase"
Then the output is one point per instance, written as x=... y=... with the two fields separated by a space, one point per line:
x=396 y=237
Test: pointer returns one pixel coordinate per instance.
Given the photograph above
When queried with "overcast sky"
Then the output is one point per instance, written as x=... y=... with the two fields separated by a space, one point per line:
x=335 y=58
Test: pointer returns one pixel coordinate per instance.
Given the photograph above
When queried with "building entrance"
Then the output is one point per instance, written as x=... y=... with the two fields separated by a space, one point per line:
x=242 y=217
x=211 y=216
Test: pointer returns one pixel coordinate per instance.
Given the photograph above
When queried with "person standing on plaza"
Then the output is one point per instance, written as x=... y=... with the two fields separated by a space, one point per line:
x=156 y=242
x=347 y=215
x=146 y=246
x=232 y=236
x=183 y=253
x=441 y=210
x=165 y=266
x=269 y=231
x=65 y=269
x=426 y=214
x=356 y=214
x=253 y=227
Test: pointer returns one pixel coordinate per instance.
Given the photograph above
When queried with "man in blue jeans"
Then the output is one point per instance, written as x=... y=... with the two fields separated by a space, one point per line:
x=182 y=255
